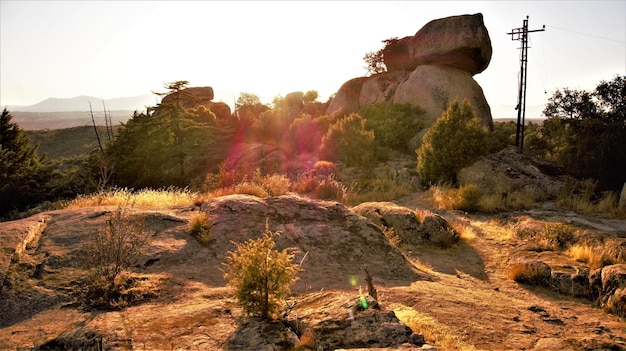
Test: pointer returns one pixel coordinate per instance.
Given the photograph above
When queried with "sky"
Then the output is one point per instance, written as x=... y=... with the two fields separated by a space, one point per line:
x=111 y=49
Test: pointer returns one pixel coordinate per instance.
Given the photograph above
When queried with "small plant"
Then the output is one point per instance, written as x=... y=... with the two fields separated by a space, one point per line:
x=109 y=254
x=200 y=228
x=261 y=276
x=330 y=189
x=275 y=184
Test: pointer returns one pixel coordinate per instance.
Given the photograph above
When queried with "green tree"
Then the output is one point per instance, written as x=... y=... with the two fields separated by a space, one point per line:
x=23 y=175
x=586 y=132
x=261 y=276
x=167 y=145
x=454 y=141
x=349 y=141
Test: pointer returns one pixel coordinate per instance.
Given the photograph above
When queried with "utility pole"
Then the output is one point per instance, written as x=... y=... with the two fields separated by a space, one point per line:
x=521 y=34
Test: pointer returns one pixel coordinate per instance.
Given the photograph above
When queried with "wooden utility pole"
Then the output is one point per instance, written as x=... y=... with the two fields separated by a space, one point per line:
x=521 y=34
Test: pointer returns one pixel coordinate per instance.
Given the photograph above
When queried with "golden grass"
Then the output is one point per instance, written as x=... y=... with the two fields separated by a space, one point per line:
x=599 y=255
x=533 y=272
x=435 y=333
x=200 y=226
x=127 y=197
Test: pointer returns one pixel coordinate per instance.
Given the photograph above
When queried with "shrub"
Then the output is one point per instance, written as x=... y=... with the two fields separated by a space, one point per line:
x=275 y=184
x=468 y=198
x=454 y=141
x=394 y=125
x=330 y=189
x=112 y=251
x=349 y=141
x=261 y=276
x=200 y=228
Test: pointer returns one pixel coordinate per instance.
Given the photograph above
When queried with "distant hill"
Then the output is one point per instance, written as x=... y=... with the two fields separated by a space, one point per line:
x=81 y=103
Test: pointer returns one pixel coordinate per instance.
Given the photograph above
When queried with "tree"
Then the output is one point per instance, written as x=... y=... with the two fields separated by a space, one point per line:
x=23 y=175
x=586 y=132
x=261 y=276
x=454 y=141
x=375 y=60
x=167 y=145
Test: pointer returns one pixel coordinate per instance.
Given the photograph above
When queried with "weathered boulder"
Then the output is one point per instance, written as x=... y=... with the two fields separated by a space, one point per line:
x=613 y=277
x=196 y=97
x=622 y=198
x=511 y=169
x=335 y=240
x=347 y=100
x=256 y=333
x=190 y=97
x=357 y=323
x=436 y=230
x=435 y=87
x=458 y=41
x=402 y=226
x=398 y=223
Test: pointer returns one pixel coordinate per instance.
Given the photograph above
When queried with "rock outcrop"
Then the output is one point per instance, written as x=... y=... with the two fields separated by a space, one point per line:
x=511 y=169
x=402 y=226
x=431 y=69
x=195 y=97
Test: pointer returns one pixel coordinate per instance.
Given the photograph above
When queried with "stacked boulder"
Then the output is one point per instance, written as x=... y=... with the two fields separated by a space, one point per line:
x=196 y=97
x=431 y=69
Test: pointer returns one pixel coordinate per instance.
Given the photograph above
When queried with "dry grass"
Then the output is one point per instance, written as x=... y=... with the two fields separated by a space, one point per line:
x=434 y=333
x=472 y=198
x=375 y=190
x=200 y=227
x=598 y=255
x=144 y=197
x=578 y=196
x=549 y=236
x=532 y=273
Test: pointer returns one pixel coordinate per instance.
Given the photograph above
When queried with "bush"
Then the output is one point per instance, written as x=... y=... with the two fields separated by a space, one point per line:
x=111 y=252
x=261 y=276
x=330 y=189
x=349 y=141
x=454 y=141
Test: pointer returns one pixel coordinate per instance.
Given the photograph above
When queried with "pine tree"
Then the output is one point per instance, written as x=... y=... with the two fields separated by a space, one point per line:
x=22 y=174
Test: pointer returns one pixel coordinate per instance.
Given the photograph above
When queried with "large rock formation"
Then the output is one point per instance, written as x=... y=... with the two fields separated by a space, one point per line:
x=431 y=69
x=195 y=97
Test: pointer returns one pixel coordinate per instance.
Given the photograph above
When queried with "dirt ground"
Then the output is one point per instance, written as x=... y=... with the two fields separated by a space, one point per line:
x=463 y=291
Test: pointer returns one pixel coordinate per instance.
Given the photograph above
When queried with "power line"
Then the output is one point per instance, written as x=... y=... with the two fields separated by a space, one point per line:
x=587 y=34
x=521 y=34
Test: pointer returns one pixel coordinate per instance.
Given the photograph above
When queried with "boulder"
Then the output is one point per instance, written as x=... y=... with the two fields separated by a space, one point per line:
x=435 y=87
x=398 y=223
x=190 y=97
x=622 y=198
x=402 y=226
x=347 y=99
x=436 y=230
x=512 y=170
x=461 y=42
x=613 y=278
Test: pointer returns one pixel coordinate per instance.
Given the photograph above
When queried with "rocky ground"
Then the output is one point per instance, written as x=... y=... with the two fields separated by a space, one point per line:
x=433 y=291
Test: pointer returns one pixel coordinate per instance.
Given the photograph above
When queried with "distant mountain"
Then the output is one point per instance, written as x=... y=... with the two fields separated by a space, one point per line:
x=81 y=103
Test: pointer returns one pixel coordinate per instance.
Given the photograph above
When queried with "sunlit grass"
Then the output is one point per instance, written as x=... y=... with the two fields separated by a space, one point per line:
x=144 y=197
x=599 y=255
x=435 y=333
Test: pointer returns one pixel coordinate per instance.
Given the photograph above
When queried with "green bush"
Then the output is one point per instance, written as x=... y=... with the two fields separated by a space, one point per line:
x=261 y=276
x=454 y=141
x=349 y=141
x=393 y=124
